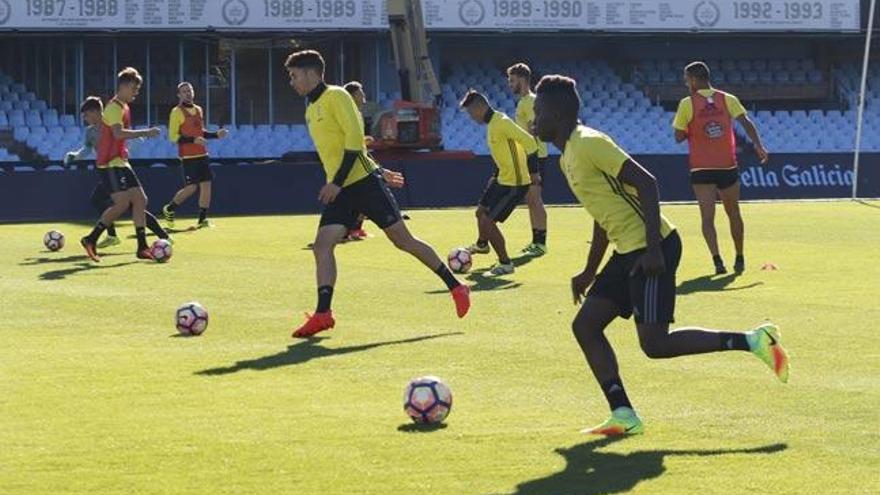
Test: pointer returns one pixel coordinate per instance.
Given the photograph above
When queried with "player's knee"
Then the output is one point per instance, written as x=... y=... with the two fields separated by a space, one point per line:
x=583 y=327
x=654 y=348
x=402 y=242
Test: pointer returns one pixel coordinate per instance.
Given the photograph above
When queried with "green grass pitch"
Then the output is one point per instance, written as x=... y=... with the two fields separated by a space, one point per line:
x=98 y=395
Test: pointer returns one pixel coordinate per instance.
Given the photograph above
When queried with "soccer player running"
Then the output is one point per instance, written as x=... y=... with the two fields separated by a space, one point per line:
x=355 y=185
x=705 y=120
x=91 y=110
x=639 y=278
x=519 y=80
x=515 y=153
x=186 y=128
x=356 y=231
x=116 y=173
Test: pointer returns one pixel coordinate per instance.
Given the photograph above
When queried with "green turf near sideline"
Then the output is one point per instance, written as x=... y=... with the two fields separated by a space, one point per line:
x=97 y=395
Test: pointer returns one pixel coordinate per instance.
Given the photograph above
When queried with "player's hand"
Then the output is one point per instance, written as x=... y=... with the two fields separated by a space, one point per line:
x=222 y=133
x=536 y=179
x=651 y=263
x=580 y=283
x=393 y=178
x=763 y=156
x=328 y=193
x=153 y=132
x=200 y=141
x=369 y=140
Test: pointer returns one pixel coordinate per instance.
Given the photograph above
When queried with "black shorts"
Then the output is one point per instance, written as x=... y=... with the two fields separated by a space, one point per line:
x=100 y=198
x=500 y=201
x=118 y=179
x=542 y=165
x=722 y=179
x=196 y=170
x=369 y=196
x=651 y=299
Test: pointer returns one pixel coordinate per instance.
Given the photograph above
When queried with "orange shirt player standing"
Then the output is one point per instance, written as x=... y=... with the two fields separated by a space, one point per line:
x=705 y=120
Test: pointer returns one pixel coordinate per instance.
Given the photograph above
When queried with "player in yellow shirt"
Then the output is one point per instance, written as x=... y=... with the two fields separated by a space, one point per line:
x=355 y=185
x=519 y=80
x=515 y=153
x=186 y=129
x=705 y=120
x=639 y=277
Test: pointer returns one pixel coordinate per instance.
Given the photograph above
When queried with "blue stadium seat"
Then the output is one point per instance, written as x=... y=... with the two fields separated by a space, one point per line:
x=67 y=120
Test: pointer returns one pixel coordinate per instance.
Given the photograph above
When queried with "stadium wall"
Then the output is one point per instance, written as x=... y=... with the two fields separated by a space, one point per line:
x=243 y=188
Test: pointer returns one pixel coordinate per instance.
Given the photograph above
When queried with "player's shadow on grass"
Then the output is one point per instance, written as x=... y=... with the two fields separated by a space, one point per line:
x=421 y=427
x=67 y=259
x=82 y=266
x=712 y=283
x=483 y=280
x=590 y=472
x=307 y=350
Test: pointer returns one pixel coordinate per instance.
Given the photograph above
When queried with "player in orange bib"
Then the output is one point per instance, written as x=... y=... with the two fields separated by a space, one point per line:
x=116 y=173
x=186 y=128
x=705 y=120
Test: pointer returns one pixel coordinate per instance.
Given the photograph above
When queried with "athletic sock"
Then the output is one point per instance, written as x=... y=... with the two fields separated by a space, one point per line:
x=505 y=261
x=111 y=230
x=734 y=341
x=482 y=243
x=96 y=232
x=615 y=394
x=539 y=236
x=448 y=278
x=141 y=237
x=171 y=206
x=154 y=226
x=203 y=214
x=325 y=297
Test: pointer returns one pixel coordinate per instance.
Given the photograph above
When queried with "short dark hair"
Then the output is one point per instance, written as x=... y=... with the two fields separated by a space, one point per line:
x=129 y=75
x=92 y=103
x=306 y=59
x=473 y=96
x=698 y=70
x=353 y=87
x=521 y=70
x=561 y=93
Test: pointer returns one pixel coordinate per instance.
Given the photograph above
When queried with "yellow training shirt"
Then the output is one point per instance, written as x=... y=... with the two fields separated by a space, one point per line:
x=113 y=115
x=336 y=127
x=686 y=109
x=525 y=115
x=591 y=163
x=510 y=145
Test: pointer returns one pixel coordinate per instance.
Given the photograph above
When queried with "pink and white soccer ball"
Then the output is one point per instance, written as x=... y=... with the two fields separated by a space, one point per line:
x=427 y=400
x=459 y=260
x=161 y=250
x=192 y=319
x=53 y=240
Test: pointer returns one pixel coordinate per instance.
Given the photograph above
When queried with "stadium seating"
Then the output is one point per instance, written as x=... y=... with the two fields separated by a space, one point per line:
x=610 y=103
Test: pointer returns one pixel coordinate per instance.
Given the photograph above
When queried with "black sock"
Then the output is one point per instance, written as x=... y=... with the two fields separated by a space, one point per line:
x=325 y=297
x=505 y=261
x=740 y=259
x=717 y=259
x=615 y=394
x=539 y=236
x=448 y=278
x=482 y=243
x=203 y=214
x=111 y=230
x=734 y=342
x=96 y=232
x=358 y=225
x=154 y=226
x=171 y=206
x=142 y=238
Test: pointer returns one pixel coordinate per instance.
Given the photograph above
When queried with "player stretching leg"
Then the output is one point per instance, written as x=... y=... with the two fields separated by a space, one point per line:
x=354 y=185
x=116 y=173
x=639 y=278
x=515 y=153
x=186 y=128
x=519 y=80
x=705 y=120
